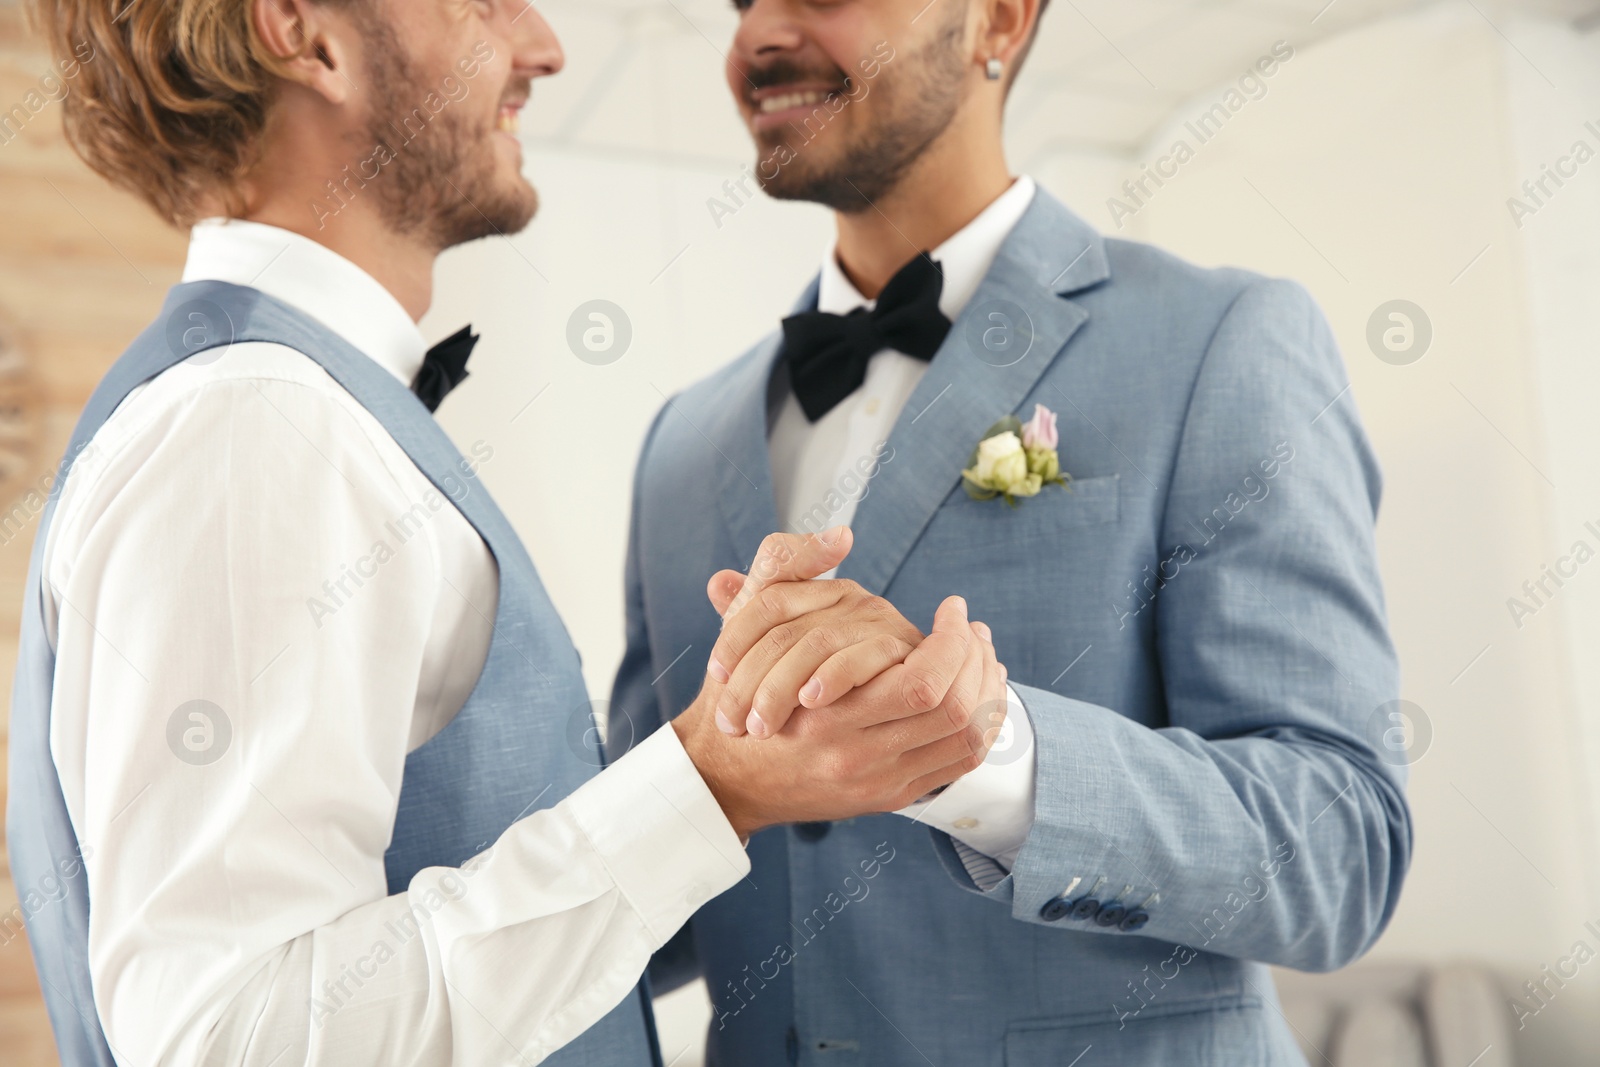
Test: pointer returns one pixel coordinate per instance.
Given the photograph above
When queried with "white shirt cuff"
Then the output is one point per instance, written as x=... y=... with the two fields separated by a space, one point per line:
x=991 y=808
x=660 y=833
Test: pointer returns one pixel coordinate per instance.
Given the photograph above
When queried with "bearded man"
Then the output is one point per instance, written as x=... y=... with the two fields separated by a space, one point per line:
x=1149 y=478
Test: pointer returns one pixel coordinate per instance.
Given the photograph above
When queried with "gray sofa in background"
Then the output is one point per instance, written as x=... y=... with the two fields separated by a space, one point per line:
x=1383 y=1015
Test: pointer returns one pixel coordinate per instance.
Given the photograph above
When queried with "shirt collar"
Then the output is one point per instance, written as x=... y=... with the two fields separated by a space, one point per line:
x=966 y=257
x=311 y=278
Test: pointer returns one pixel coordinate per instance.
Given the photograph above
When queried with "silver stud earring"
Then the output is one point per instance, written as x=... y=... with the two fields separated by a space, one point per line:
x=994 y=69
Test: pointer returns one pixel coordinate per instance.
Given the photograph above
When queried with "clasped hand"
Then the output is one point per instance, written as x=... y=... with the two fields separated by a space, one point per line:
x=822 y=702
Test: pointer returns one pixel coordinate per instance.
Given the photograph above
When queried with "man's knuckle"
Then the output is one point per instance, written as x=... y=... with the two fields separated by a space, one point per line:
x=782 y=636
x=876 y=607
x=767 y=694
x=889 y=647
x=820 y=640
x=970 y=698
x=919 y=690
x=770 y=601
x=955 y=718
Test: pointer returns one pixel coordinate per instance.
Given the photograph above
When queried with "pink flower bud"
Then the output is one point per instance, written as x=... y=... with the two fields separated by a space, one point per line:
x=1040 y=432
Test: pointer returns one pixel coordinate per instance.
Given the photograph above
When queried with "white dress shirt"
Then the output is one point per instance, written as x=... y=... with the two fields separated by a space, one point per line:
x=240 y=909
x=817 y=468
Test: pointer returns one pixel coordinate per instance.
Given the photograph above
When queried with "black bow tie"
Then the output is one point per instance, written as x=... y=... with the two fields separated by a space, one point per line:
x=444 y=367
x=828 y=354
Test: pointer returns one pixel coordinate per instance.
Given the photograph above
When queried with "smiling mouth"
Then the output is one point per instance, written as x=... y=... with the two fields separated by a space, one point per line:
x=509 y=120
x=769 y=105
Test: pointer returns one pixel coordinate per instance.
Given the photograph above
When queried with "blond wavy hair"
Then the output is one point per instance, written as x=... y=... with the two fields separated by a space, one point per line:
x=171 y=96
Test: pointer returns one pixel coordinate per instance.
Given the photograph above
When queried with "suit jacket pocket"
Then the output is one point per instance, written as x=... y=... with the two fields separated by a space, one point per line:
x=965 y=527
x=1229 y=1033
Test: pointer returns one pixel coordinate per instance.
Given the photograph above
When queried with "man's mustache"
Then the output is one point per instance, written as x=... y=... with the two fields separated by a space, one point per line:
x=787 y=72
x=517 y=92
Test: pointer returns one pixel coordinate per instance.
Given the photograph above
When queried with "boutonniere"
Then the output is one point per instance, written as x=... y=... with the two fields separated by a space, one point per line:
x=1014 y=460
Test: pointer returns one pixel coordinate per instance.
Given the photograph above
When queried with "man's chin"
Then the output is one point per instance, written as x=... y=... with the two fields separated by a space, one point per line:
x=521 y=205
x=481 y=213
x=510 y=202
x=831 y=189
x=818 y=172
x=509 y=198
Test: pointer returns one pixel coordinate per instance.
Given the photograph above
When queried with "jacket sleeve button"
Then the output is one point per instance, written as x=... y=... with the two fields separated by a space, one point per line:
x=1056 y=910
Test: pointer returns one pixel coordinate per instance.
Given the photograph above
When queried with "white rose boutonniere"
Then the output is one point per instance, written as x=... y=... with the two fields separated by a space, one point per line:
x=1016 y=461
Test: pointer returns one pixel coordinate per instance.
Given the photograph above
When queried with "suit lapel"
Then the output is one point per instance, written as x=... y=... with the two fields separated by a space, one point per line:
x=974 y=380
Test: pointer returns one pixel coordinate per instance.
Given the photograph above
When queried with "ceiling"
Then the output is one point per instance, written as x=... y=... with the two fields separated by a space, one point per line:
x=644 y=77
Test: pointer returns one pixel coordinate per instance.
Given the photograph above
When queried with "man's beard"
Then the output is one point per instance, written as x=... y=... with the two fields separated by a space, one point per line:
x=910 y=113
x=441 y=184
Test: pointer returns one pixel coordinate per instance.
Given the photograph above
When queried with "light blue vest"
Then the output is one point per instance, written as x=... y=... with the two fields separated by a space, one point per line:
x=521 y=742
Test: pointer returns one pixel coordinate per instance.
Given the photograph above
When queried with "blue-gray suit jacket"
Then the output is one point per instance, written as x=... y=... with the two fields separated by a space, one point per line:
x=1197 y=630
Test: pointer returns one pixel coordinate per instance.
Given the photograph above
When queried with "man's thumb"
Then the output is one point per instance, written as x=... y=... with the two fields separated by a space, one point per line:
x=790 y=558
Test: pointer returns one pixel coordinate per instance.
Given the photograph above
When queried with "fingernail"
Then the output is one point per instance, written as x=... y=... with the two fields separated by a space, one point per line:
x=831 y=537
x=718 y=672
x=724 y=725
x=983 y=630
x=756 y=725
x=961 y=606
x=811 y=692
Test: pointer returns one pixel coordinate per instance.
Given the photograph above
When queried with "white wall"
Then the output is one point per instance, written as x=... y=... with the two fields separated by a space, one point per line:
x=1557 y=246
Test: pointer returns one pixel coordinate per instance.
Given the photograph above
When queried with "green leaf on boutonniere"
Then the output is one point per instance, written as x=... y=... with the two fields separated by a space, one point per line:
x=976 y=490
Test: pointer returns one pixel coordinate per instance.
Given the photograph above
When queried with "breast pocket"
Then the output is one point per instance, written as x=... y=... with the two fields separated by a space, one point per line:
x=964 y=528
x=1042 y=574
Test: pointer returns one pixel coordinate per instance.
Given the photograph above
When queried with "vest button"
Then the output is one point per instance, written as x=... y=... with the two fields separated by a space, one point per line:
x=812 y=831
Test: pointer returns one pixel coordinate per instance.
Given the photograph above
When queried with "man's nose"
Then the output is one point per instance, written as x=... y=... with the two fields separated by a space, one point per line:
x=766 y=27
x=535 y=49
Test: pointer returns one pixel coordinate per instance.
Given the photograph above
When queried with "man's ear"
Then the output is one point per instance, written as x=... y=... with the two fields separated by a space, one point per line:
x=1007 y=30
x=308 y=44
